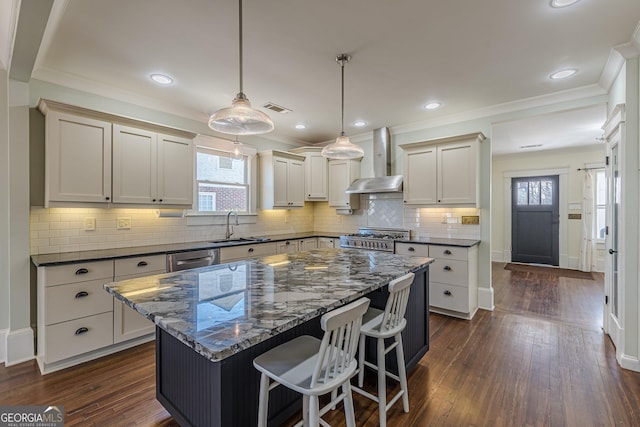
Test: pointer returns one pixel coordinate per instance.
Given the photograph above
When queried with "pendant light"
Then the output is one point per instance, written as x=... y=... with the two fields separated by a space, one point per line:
x=240 y=118
x=342 y=149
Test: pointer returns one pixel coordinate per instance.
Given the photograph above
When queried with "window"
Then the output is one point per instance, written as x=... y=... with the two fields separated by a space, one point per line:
x=222 y=182
x=535 y=192
x=600 y=204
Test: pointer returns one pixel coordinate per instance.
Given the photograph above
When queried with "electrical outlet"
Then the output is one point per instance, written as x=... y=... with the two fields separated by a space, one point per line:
x=123 y=223
x=89 y=224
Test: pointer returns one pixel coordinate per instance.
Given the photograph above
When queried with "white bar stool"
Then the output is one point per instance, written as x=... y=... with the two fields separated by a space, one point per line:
x=386 y=324
x=313 y=367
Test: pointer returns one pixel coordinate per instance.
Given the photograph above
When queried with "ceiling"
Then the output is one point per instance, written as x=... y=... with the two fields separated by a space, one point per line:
x=405 y=53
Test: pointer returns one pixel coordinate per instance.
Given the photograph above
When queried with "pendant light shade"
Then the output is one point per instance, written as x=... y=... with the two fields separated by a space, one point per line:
x=343 y=148
x=240 y=118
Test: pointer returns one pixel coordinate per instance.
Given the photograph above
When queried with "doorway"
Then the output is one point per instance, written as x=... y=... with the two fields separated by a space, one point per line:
x=535 y=219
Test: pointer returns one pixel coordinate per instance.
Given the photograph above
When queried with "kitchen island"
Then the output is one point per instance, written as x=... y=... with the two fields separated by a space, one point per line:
x=212 y=322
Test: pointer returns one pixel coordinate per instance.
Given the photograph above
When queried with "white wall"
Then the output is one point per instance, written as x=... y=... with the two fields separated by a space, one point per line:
x=4 y=211
x=538 y=160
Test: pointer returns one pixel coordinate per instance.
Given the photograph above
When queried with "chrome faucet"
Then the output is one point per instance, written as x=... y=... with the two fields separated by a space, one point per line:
x=229 y=232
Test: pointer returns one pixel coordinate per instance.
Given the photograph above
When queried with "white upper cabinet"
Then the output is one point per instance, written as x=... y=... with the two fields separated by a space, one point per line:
x=443 y=171
x=94 y=157
x=281 y=180
x=77 y=158
x=151 y=168
x=341 y=175
x=316 y=169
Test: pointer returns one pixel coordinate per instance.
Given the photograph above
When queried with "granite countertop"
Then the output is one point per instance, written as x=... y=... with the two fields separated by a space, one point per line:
x=223 y=309
x=106 y=254
x=441 y=241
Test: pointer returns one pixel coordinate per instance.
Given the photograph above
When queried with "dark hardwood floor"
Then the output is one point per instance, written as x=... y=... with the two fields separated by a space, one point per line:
x=539 y=359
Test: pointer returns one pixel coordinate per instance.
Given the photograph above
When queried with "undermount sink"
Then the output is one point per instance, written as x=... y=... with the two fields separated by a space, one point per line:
x=242 y=239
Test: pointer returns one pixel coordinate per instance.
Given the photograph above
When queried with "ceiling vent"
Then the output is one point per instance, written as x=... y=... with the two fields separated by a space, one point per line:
x=277 y=108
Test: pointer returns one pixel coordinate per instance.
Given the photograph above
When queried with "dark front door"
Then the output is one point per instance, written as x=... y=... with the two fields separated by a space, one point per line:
x=535 y=219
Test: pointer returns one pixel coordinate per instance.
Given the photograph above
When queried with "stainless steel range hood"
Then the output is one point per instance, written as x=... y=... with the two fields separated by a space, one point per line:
x=382 y=181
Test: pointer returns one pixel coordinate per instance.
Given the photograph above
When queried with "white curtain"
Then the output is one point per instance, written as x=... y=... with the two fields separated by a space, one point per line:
x=587 y=221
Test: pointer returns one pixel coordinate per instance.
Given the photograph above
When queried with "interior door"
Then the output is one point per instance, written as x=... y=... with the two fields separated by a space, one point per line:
x=613 y=279
x=535 y=220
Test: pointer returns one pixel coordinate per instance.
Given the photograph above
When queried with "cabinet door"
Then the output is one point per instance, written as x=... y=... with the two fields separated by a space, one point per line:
x=326 y=242
x=316 y=179
x=457 y=173
x=338 y=183
x=280 y=181
x=420 y=176
x=308 y=244
x=175 y=170
x=295 y=183
x=287 y=247
x=77 y=159
x=134 y=165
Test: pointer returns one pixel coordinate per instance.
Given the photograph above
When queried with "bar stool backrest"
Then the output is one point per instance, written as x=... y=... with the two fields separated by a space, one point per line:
x=340 y=342
x=396 y=306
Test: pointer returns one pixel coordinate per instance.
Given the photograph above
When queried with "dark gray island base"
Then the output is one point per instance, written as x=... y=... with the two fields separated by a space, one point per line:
x=204 y=358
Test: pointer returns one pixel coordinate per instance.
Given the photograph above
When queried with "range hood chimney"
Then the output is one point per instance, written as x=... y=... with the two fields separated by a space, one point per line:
x=382 y=182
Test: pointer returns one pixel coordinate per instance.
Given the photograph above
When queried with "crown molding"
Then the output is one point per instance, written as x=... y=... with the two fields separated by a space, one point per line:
x=611 y=69
x=507 y=107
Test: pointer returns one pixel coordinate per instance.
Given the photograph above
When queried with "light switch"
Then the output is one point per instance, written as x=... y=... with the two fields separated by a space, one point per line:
x=123 y=223
x=89 y=224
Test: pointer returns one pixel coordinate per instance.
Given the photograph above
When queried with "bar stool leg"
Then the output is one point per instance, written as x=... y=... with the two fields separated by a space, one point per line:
x=402 y=372
x=314 y=411
x=263 y=404
x=349 y=412
x=382 y=384
x=361 y=361
x=305 y=410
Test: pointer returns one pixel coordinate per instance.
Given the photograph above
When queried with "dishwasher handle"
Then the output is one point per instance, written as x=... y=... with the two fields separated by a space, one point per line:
x=191 y=261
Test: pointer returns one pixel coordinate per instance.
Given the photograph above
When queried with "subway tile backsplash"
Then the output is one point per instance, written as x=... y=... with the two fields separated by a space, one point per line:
x=57 y=230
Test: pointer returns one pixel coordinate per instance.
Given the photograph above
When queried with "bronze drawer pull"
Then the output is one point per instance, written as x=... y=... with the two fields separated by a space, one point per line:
x=82 y=294
x=142 y=264
x=447 y=293
x=447 y=252
x=446 y=267
x=287 y=243
x=411 y=249
x=82 y=330
x=82 y=271
x=250 y=250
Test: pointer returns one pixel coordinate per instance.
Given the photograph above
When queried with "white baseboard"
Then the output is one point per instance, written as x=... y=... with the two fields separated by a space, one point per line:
x=3 y=345
x=19 y=346
x=573 y=263
x=629 y=362
x=497 y=256
x=485 y=298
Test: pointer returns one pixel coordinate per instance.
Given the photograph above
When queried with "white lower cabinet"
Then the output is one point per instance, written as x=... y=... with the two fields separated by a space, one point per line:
x=79 y=321
x=308 y=244
x=235 y=253
x=453 y=277
x=287 y=247
x=128 y=323
x=327 y=242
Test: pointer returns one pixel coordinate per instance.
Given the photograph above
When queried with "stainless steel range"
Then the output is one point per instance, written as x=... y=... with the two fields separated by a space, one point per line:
x=378 y=239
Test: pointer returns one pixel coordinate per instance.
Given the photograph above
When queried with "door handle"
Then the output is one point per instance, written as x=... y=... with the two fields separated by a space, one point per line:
x=611 y=252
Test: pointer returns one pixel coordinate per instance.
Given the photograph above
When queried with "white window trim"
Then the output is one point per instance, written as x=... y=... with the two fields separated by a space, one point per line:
x=595 y=201
x=205 y=218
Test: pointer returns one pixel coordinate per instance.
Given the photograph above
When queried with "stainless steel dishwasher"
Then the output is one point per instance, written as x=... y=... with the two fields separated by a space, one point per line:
x=192 y=259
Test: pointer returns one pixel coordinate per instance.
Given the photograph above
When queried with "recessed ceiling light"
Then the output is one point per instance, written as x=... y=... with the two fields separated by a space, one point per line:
x=563 y=74
x=563 y=3
x=432 y=105
x=359 y=123
x=161 y=79
x=301 y=126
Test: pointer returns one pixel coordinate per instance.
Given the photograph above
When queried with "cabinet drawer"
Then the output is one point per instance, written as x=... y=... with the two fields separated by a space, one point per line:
x=449 y=271
x=68 y=339
x=247 y=251
x=81 y=272
x=448 y=252
x=138 y=265
x=450 y=297
x=74 y=300
x=412 y=249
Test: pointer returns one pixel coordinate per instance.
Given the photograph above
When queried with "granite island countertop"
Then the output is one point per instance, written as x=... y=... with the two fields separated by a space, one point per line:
x=223 y=309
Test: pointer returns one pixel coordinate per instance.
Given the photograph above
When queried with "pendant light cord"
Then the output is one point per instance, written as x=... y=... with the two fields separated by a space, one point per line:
x=342 y=59
x=240 y=42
